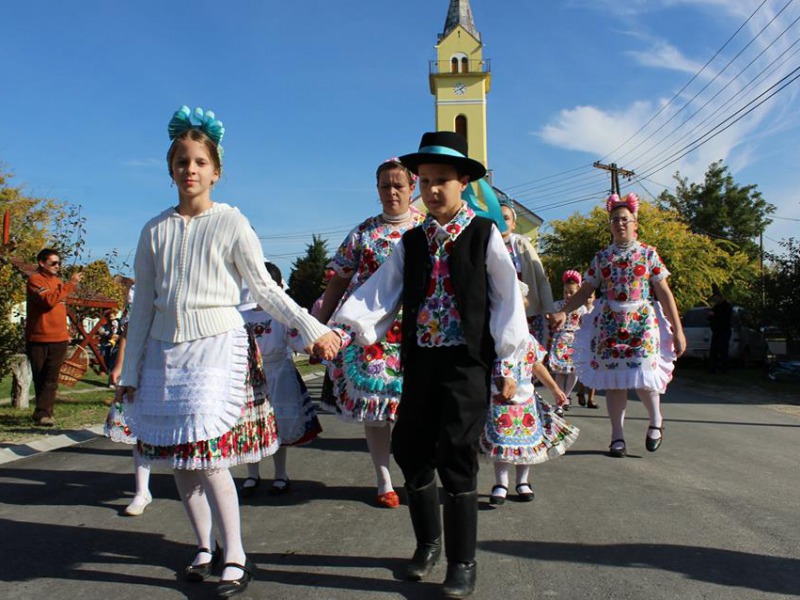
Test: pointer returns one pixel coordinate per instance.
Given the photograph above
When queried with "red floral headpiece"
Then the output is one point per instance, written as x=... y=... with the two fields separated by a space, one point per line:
x=571 y=275
x=631 y=202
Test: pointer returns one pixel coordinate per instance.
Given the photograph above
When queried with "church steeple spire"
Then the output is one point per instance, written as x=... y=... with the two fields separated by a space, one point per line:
x=460 y=13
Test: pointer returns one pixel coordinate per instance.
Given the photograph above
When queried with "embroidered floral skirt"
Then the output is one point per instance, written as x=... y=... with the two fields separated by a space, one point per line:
x=525 y=434
x=241 y=423
x=368 y=381
x=625 y=346
x=116 y=428
x=561 y=349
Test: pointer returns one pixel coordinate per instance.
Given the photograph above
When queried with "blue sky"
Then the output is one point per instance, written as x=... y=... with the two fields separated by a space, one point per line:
x=315 y=94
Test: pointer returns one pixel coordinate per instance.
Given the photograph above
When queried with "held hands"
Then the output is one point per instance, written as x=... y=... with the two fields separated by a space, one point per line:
x=557 y=319
x=506 y=388
x=559 y=396
x=326 y=347
x=124 y=392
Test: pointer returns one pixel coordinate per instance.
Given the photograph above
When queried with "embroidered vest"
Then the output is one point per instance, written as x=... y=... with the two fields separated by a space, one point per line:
x=467 y=264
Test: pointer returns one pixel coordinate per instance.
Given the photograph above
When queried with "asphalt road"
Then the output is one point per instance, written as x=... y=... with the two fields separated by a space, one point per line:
x=712 y=515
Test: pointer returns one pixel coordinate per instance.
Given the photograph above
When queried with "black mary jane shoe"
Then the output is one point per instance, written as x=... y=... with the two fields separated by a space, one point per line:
x=231 y=587
x=279 y=487
x=617 y=452
x=197 y=573
x=247 y=491
x=496 y=499
x=523 y=495
x=653 y=444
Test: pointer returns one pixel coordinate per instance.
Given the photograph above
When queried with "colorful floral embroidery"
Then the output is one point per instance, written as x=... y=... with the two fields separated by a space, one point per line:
x=562 y=341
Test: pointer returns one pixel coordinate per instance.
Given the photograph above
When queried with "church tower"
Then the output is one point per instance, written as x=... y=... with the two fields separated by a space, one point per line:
x=460 y=78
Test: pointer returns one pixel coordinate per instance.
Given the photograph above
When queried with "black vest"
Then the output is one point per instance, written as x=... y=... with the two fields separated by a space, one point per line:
x=467 y=263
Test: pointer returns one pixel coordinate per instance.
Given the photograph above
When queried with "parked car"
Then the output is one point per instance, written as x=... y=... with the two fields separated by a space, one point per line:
x=747 y=344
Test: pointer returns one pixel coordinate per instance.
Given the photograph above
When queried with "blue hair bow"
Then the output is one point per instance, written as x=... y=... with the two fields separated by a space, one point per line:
x=184 y=119
x=492 y=210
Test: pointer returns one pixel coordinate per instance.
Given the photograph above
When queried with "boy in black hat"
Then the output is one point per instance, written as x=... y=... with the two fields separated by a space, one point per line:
x=463 y=329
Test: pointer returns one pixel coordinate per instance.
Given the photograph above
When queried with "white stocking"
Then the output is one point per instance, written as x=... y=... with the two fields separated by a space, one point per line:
x=523 y=472
x=279 y=462
x=501 y=470
x=617 y=402
x=652 y=403
x=379 y=442
x=197 y=509
x=220 y=490
x=142 y=475
x=254 y=472
x=570 y=379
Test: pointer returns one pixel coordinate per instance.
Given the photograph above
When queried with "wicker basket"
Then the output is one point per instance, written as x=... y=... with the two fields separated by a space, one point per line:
x=74 y=367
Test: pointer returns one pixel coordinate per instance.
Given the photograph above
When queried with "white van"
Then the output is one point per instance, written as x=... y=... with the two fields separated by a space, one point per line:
x=747 y=345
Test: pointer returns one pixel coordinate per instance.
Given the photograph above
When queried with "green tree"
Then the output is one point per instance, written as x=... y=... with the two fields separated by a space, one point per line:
x=307 y=279
x=721 y=209
x=695 y=261
x=781 y=282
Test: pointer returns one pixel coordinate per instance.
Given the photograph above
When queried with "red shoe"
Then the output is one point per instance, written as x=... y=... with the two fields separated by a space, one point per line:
x=388 y=500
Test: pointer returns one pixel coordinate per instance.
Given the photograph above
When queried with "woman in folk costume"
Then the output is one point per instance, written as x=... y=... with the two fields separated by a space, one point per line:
x=367 y=380
x=630 y=340
x=539 y=297
x=186 y=372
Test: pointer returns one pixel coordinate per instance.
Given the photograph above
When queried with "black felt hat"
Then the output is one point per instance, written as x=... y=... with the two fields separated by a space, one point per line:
x=444 y=148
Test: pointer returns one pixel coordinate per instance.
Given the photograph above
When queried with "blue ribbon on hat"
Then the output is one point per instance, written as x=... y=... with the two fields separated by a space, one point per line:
x=440 y=150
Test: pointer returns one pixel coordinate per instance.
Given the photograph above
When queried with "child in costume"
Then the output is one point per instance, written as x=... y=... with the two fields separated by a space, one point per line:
x=186 y=370
x=117 y=429
x=630 y=340
x=463 y=325
x=525 y=431
x=287 y=393
x=562 y=339
x=367 y=380
x=586 y=394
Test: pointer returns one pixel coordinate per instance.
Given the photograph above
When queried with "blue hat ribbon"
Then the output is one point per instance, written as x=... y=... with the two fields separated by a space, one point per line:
x=492 y=210
x=440 y=150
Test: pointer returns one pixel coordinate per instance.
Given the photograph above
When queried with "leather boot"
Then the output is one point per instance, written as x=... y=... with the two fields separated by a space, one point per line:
x=423 y=505
x=460 y=541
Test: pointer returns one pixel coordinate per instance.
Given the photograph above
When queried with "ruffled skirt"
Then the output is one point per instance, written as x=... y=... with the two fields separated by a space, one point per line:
x=525 y=434
x=294 y=410
x=625 y=346
x=196 y=407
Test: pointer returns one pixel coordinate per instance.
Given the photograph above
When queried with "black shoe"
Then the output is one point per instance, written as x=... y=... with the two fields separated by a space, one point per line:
x=617 y=452
x=497 y=499
x=653 y=444
x=279 y=487
x=248 y=491
x=231 y=587
x=424 y=559
x=199 y=572
x=523 y=495
x=460 y=579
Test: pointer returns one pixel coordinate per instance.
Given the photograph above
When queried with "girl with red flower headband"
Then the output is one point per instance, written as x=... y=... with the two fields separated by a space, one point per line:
x=634 y=334
x=562 y=340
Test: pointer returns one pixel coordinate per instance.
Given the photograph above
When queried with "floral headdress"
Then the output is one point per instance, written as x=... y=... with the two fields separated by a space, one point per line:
x=509 y=204
x=396 y=161
x=571 y=275
x=631 y=202
x=184 y=119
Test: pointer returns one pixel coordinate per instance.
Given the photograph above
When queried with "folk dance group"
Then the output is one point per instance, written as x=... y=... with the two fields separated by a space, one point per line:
x=436 y=331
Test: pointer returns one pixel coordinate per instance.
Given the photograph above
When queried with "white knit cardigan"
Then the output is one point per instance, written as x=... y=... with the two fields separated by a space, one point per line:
x=188 y=279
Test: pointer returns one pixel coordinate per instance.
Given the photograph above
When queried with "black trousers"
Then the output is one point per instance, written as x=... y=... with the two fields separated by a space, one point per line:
x=441 y=415
x=718 y=352
x=46 y=360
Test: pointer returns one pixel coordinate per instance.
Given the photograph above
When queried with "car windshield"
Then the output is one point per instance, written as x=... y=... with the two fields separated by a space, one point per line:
x=697 y=317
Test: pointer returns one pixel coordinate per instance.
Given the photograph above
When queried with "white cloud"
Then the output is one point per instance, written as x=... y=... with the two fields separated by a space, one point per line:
x=146 y=163
x=663 y=55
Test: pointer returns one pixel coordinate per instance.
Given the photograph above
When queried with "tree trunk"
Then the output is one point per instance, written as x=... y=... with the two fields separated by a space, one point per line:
x=21 y=382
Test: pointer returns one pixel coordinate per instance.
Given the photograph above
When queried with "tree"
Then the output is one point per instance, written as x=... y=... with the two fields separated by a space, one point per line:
x=307 y=279
x=695 y=261
x=781 y=282
x=721 y=209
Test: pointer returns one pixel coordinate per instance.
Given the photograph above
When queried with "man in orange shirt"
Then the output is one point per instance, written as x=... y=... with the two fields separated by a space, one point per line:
x=46 y=331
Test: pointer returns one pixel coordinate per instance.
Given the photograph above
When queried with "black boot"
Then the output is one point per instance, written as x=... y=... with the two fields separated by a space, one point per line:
x=460 y=540
x=423 y=505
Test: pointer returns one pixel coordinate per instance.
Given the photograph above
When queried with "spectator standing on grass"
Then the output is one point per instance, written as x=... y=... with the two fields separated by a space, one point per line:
x=46 y=333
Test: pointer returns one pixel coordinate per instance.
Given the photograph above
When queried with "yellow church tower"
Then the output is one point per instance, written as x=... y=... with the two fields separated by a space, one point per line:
x=460 y=78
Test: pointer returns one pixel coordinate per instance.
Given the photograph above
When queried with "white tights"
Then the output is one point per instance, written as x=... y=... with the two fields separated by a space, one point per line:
x=566 y=381
x=210 y=498
x=379 y=442
x=141 y=475
x=501 y=474
x=278 y=461
x=617 y=402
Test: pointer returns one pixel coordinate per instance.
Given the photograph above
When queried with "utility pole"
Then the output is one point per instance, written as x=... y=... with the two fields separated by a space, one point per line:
x=615 y=173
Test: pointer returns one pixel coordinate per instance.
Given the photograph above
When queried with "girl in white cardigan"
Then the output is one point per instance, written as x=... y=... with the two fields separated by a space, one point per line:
x=185 y=375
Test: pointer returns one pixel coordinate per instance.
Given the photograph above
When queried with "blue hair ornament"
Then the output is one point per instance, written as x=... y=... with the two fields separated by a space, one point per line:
x=184 y=119
x=492 y=210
